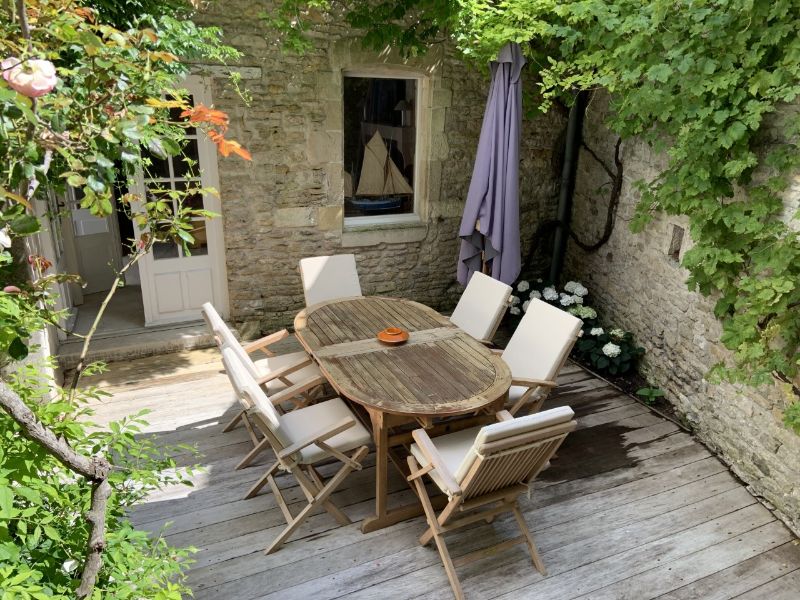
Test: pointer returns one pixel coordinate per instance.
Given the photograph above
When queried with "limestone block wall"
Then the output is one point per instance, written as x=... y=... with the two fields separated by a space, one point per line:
x=637 y=285
x=288 y=203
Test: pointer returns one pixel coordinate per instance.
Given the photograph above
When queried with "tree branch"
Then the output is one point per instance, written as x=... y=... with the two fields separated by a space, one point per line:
x=613 y=201
x=93 y=468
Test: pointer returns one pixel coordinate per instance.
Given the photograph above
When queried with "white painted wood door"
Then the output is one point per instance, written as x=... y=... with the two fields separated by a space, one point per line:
x=175 y=284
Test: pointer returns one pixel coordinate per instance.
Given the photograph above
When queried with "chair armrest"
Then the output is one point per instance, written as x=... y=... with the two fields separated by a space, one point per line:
x=498 y=351
x=318 y=436
x=504 y=415
x=297 y=389
x=265 y=341
x=285 y=370
x=432 y=454
x=524 y=381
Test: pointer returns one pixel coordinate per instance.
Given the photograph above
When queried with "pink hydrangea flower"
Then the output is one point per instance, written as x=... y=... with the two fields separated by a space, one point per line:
x=31 y=78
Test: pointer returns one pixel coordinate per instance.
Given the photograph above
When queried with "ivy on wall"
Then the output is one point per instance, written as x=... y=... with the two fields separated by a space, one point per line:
x=701 y=81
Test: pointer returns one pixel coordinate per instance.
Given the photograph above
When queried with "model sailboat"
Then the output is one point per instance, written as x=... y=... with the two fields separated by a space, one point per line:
x=381 y=184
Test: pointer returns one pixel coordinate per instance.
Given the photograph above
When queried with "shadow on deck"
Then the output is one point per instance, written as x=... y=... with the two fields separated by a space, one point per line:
x=632 y=507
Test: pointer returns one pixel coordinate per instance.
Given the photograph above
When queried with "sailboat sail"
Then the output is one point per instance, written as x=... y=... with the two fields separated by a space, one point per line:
x=379 y=175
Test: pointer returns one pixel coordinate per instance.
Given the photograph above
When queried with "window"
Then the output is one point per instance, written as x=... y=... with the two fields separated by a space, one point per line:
x=175 y=173
x=675 y=244
x=380 y=138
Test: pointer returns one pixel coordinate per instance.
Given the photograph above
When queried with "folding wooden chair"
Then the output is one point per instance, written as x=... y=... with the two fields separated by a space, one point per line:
x=481 y=307
x=536 y=353
x=483 y=471
x=275 y=372
x=301 y=439
x=329 y=277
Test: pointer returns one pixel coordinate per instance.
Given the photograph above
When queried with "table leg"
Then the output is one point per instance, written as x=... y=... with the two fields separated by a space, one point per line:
x=384 y=516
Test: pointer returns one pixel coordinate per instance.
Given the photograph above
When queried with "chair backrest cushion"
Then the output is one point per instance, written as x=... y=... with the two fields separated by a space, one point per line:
x=329 y=277
x=213 y=321
x=228 y=340
x=512 y=428
x=481 y=306
x=250 y=392
x=541 y=342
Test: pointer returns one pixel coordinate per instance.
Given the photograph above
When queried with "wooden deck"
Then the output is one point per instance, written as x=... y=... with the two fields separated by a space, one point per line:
x=632 y=508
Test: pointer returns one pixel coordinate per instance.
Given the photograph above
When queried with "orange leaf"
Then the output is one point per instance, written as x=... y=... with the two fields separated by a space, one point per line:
x=203 y=114
x=226 y=147
x=16 y=197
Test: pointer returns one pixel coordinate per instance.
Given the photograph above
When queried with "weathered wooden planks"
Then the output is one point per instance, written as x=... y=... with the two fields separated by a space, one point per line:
x=440 y=371
x=631 y=503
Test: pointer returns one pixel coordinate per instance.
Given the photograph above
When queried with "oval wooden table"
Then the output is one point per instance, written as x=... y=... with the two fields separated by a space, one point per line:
x=439 y=372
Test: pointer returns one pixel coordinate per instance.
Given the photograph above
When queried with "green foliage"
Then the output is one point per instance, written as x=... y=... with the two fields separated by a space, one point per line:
x=117 y=105
x=791 y=417
x=649 y=394
x=700 y=81
x=106 y=115
x=43 y=530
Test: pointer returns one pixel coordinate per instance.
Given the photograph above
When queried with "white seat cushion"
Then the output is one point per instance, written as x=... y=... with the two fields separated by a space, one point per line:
x=515 y=392
x=452 y=447
x=481 y=306
x=273 y=363
x=303 y=422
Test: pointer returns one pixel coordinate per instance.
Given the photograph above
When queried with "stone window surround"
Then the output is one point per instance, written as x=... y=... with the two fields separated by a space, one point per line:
x=352 y=61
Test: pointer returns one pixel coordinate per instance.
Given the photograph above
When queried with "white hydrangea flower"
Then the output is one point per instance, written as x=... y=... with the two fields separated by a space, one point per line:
x=536 y=294
x=515 y=300
x=539 y=280
x=580 y=290
x=584 y=312
x=514 y=310
x=5 y=238
x=550 y=293
x=596 y=331
x=523 y=286
x=570 y=286
x=617 y=333
x=577 y=299
x=525 y=305
x=566 y=300
x=69 y=565
x=611 y=350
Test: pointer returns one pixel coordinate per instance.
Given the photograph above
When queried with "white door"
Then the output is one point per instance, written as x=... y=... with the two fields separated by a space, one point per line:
x=175 y=284
x=97 y=247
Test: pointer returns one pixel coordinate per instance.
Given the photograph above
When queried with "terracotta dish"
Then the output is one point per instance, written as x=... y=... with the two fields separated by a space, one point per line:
x=393 y=336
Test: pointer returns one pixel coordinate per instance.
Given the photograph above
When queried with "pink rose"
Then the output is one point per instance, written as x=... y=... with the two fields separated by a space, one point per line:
x=12 y=289
x=32 y=78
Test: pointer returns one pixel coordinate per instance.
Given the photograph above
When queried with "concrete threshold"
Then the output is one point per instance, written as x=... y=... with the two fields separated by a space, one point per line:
x=137 y=343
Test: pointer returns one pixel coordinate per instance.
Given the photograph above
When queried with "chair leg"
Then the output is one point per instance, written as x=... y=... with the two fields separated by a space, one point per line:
x=251 y=456
x=233 y=422
x=537 y=559
x=312 y=485
x=262 y=481
x=435 y=532
x=319 y=498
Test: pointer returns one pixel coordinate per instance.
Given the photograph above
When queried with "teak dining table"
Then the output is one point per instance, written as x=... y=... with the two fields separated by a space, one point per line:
x=439 y=372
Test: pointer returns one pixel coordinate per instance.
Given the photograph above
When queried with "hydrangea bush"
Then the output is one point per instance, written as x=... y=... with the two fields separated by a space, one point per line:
x=605 y=348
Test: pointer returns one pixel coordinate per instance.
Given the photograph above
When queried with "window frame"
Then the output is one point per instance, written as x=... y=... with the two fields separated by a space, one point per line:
x=421 y=154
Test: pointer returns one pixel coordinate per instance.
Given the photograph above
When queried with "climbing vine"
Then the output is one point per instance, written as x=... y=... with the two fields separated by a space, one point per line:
x=701 y=81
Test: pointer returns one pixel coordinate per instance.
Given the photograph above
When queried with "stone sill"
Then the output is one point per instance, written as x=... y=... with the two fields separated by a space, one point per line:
x=372 y=234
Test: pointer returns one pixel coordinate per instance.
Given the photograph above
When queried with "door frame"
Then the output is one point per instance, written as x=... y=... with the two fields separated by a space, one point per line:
x=200 y=88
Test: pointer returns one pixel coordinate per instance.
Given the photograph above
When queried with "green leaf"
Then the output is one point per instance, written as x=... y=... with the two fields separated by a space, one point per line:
x=17 y=350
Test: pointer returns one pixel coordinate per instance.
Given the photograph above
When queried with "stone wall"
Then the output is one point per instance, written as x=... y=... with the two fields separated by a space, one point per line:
x=637 y=285
x=288 y=203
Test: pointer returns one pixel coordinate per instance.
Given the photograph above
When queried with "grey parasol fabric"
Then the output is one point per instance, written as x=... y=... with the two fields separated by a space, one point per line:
x=490 y=226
